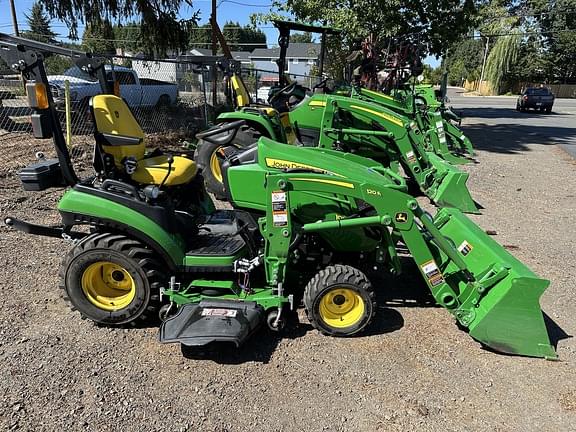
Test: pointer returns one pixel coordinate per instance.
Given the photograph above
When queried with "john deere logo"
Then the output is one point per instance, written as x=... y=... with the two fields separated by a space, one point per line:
x=401 y=217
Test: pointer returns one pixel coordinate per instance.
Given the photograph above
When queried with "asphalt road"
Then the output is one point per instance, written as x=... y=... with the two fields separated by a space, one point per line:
x=495 y=125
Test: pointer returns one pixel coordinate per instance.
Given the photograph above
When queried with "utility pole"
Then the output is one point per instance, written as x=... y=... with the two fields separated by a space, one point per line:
x=483 y=64
x=214 y=52
x=14 y=19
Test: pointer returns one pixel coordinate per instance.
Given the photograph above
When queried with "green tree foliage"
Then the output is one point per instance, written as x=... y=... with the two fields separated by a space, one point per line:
x=305 y=37
x=39 y=23
x=239 y=38
x=432 y=24
x=243 y=38
x=557 y=21
x=200 y=36
x=57 y=64
x=502 y=58
x=161 y=27
x=464 y=60
x=128 y=37
x=432 y=75
x=99 y=38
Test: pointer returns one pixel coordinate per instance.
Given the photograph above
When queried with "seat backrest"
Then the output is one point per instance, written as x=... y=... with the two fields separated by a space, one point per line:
x=112 y=116
x=242 y=95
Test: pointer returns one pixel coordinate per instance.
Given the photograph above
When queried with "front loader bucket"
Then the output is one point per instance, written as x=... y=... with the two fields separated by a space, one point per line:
x=501 y=306
x=450 y=186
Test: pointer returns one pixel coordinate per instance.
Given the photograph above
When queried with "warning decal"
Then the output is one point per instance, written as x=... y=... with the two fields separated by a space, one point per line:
x=411 y=156
x=279 y=209
x=465 y=248
x=432 y=273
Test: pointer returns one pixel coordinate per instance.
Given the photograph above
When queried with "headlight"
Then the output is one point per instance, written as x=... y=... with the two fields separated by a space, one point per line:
x=151 y=192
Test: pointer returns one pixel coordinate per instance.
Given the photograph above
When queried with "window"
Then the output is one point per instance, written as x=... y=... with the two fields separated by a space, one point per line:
x=122 y=77
x=311 y=62
x=294 y=61
x=538 y=91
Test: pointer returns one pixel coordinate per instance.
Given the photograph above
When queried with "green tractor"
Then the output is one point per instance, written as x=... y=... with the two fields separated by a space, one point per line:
x=331 y=122
x=306 y=223
x=440 y=134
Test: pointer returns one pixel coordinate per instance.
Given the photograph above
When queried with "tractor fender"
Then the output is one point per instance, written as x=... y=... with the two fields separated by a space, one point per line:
x=81 y=208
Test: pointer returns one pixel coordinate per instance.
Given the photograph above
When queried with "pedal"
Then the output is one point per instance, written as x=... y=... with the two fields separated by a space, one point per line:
x=200 y=324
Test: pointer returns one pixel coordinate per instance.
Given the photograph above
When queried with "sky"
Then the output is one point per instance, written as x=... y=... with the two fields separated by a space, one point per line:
x=228 y=10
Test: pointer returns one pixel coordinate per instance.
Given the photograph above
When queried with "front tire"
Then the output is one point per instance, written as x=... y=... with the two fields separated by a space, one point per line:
x=339 y=301
x=112 y=280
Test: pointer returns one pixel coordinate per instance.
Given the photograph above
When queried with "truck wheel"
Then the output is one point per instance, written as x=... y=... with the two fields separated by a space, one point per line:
x=208 y=156
x=112 y=280
x=548 y=110
x=339 y=301
x=163 y=101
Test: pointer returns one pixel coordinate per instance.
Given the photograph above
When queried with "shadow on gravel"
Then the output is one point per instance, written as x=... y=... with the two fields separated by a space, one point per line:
x=405 y=290
x=514 y=138
x=555 y=332
x=258 y=348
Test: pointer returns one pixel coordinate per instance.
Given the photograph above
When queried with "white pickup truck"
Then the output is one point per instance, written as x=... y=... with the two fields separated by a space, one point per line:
x=137 y=92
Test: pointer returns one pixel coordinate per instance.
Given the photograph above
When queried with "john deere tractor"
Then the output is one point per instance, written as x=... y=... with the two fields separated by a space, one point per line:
x=333 y=122
x=306 y=223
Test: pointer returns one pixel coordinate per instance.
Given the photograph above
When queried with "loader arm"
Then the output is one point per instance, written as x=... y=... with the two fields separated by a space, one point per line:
x=438 y=179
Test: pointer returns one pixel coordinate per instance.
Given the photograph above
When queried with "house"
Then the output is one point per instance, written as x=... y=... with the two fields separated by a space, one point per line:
x=300 y=58
x=241 y=56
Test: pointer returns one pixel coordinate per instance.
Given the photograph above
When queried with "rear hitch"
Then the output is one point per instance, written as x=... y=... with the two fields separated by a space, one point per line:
x=43 y=230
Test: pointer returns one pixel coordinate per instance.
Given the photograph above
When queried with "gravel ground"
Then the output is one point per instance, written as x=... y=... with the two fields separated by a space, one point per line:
x=413 y=370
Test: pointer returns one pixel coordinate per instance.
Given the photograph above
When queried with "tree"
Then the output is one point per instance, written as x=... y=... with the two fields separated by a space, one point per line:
x=57 y=64
x=98 y=37
x=243 y=38
x=200 y=37
x=557 y=21
x=39 y=23
x=161 y=29
x=128 y=37
x=464 y=60
x=305 y=37
x=431 y=24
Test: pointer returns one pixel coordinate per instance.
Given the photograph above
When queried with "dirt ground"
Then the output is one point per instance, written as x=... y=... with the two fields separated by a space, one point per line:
x=413 y=370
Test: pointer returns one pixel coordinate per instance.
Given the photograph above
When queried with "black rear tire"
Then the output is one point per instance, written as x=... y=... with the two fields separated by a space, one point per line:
x=206 y=156
x=90 y=290
x=209 y=158
x=339 y=301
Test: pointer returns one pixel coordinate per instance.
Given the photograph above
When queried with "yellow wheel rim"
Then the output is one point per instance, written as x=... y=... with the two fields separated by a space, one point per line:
x=341 y=307
x=108 y=286
x=215 y=165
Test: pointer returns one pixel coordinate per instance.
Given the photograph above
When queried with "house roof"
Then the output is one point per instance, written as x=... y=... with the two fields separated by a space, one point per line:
x=241 y=55
x=295 y=50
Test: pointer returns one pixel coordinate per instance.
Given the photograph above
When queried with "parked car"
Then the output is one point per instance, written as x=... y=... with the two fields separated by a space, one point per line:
x=137 y=92
x=539 y=98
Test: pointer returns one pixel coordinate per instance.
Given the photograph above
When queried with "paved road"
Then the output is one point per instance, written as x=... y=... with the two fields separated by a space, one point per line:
x=493 y=123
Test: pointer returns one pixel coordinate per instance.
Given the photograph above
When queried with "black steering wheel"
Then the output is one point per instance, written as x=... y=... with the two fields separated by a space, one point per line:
x=321 y=84
x=284 y=91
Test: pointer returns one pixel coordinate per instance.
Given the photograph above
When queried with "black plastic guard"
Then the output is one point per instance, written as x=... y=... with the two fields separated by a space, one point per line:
x=199 y=324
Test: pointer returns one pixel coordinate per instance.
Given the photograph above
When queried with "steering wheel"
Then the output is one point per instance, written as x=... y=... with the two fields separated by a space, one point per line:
x=284 y=91
x=321 y=84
